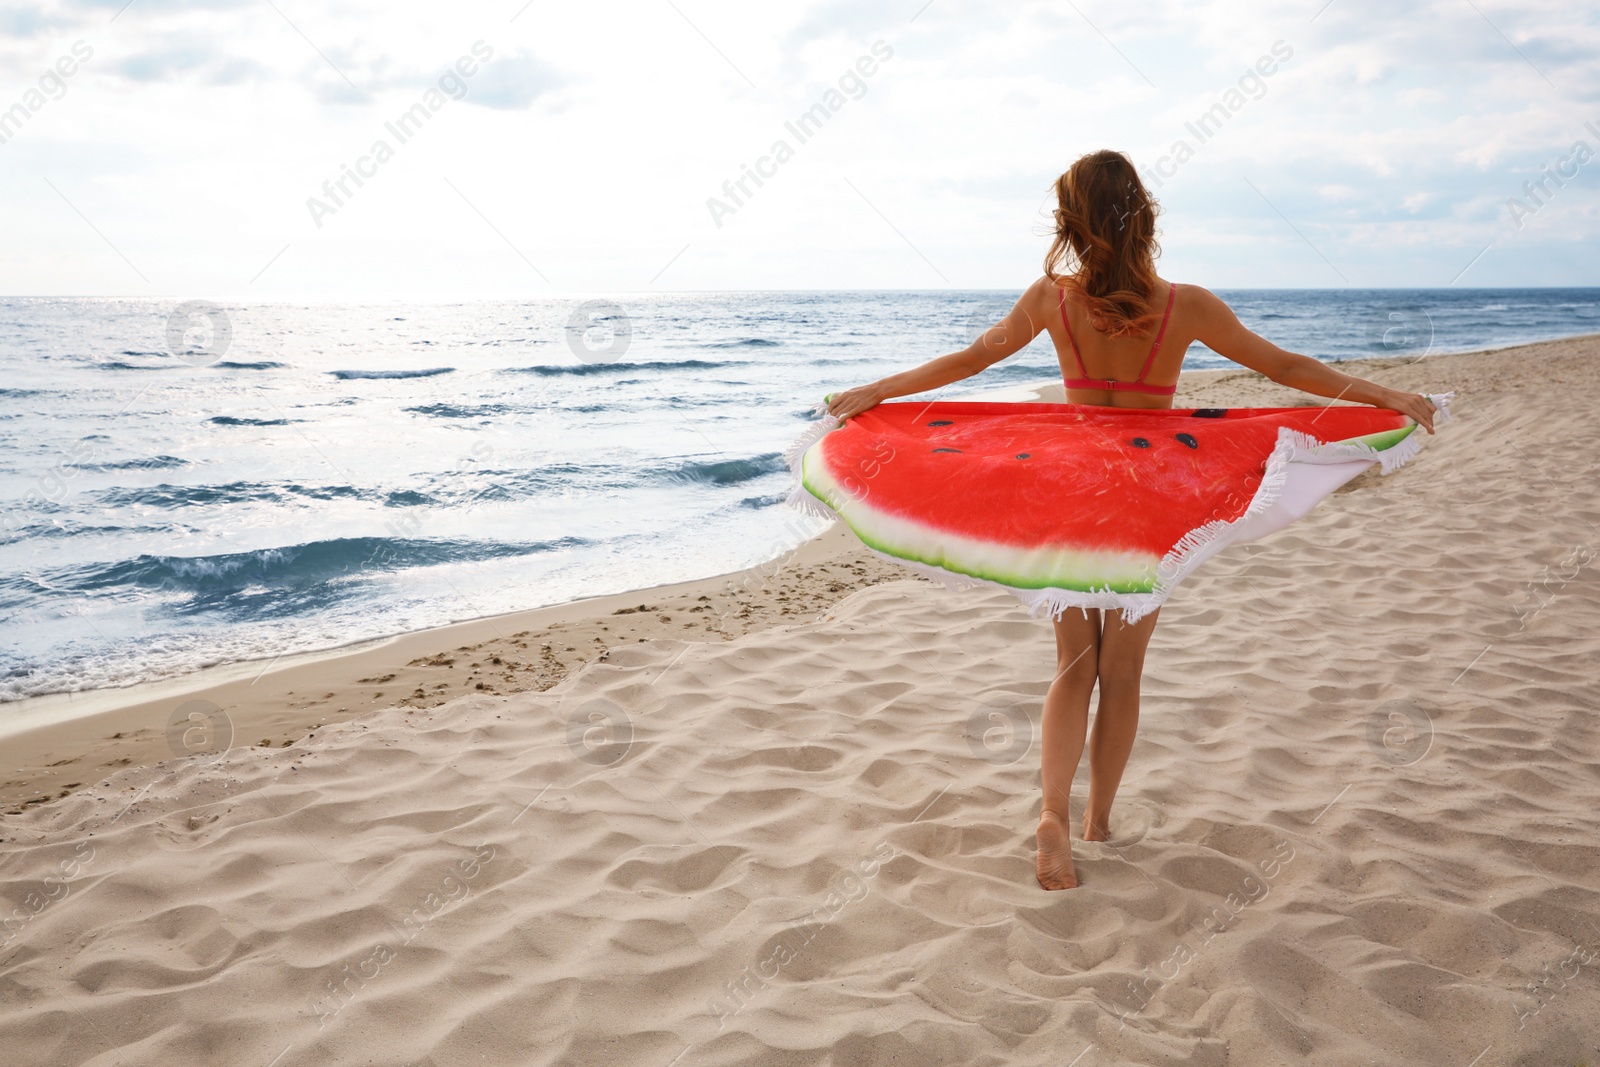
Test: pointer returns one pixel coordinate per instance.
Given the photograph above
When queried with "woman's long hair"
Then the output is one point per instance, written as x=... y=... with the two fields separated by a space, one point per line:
x=1106 y=233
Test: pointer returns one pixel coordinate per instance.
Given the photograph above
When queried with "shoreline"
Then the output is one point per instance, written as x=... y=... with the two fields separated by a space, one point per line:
x=60 y=742
x=66 y=741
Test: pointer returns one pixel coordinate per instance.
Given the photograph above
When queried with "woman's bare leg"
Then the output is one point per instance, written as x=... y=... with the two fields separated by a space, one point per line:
x=1116 y=720
x=1065 y=718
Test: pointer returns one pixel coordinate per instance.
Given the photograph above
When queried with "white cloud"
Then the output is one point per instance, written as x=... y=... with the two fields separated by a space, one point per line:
x=515 y=81
x=589 y=145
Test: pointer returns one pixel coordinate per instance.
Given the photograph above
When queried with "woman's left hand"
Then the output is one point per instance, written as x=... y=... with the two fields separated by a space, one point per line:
x=853 y=401
x=1419 y=407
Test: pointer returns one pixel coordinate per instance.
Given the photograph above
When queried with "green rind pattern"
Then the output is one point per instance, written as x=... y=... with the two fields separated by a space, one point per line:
x=815 y=479
x=1383 y=440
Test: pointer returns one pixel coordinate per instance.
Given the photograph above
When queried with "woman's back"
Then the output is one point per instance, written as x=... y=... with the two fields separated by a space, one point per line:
x=1137 y=370
x=1120 y=330
x=1111 y=316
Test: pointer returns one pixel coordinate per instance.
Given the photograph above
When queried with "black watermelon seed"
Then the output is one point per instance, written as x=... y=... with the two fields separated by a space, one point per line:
x=1188 y=439
x=1140 y=442
x=1024 y=455
x=1209 y=413
x=942 y=422
x=947 y=450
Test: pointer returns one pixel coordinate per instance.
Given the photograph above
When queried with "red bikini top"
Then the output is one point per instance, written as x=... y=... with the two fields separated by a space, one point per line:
x=1138 y=384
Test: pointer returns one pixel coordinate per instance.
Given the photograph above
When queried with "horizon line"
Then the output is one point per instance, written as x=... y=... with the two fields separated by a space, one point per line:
x=580 y=293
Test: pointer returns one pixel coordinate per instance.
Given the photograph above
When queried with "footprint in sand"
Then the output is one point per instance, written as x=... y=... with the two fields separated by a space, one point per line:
x=1130 y=821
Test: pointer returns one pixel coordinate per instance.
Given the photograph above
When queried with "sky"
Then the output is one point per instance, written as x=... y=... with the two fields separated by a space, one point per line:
x=197 y=150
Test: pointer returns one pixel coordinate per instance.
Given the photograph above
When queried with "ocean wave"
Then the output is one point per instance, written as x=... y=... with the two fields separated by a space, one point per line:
x=178 y=496
x=564 y=477
x=548 y=370
x=1017 y=372
x=459 y=411
x=489 y=484
x=451 y=489
x=743 y=342
x=117 y=364
x=230 y=420
x=286 y=568
x=447 y=489
x=147 y=463
x=265 y=364
x=346 y=375
x=727 y=471
x=69 y=528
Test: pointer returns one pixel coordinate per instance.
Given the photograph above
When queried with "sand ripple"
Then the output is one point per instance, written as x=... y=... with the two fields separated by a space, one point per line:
x=1359 y=826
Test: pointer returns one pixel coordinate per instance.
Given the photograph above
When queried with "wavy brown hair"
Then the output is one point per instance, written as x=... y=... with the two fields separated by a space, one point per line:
x=1106 y=234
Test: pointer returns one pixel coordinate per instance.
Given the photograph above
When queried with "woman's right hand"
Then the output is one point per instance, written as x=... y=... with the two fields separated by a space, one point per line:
x=1416 y=405
x=853 y=401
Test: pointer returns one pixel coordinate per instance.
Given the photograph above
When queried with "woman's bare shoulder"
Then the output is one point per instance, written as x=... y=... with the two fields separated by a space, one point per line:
x=1040 y=297
x=1196 y=294
x=1200 y=302
x=1042 y=286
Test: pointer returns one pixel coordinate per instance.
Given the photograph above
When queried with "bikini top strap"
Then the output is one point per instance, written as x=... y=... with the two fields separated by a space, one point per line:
x=1072 y=342
x=1172 y=291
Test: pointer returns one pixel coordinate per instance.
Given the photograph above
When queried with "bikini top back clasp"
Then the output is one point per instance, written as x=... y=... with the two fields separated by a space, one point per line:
x=1138 y=385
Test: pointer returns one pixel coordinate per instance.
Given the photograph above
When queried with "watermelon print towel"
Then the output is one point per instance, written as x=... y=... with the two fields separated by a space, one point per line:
x=1079 y=505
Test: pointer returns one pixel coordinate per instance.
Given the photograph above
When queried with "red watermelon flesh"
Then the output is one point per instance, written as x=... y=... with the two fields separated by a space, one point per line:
x=1075 y=497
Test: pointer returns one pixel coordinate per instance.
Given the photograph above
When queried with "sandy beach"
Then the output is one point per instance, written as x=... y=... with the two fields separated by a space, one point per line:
x=786 y=816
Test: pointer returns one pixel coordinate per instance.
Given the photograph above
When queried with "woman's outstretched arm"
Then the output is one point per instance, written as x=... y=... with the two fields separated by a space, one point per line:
x=1006 y=337
x=1220 y=330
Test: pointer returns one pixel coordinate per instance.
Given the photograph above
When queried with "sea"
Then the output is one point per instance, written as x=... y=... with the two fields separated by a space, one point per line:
x=185 y=483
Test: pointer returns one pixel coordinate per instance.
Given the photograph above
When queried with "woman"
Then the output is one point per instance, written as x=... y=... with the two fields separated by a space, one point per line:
x=1111 y=313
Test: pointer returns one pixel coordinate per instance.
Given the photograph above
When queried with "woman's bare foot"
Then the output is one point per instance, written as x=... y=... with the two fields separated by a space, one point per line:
x=1096 y=829
x=1054 y=865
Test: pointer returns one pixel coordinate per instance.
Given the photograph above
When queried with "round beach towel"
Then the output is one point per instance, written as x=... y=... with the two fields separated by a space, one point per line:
x=1080 y=505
